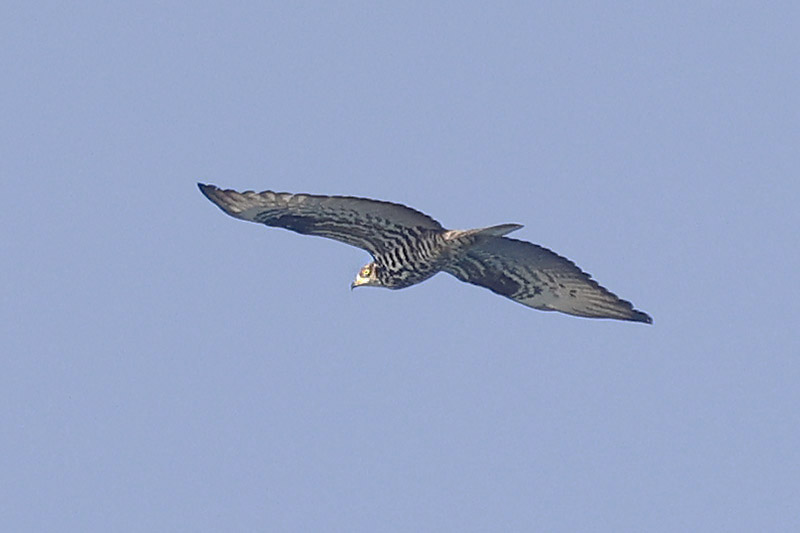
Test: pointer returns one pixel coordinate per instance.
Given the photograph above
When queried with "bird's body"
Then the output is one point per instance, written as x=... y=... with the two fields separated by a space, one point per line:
x=409 y=247
x=415 y=257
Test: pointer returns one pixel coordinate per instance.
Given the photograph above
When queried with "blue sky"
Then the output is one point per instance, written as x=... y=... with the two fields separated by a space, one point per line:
x=168 y=368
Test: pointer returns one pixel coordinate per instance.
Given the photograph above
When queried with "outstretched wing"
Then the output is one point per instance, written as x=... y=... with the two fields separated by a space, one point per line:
x=369 y=224
x=536 y=277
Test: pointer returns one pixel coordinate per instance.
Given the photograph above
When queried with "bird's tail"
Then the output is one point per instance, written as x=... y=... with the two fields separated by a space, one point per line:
x=491 y=231
x=499 y=230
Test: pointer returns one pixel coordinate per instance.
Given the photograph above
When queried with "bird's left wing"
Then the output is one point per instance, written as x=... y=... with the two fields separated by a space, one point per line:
x=372 y=225
x=534 y=276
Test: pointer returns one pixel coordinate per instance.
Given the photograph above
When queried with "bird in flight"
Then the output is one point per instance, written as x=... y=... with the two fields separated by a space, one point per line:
x=408 y=247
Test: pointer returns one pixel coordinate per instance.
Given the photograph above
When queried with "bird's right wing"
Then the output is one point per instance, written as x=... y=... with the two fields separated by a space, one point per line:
x=373 y=225
x=534 y=276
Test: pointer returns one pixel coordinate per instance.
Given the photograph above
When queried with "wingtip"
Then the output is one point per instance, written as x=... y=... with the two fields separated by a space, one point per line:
x=206 y=189
x=641 y=316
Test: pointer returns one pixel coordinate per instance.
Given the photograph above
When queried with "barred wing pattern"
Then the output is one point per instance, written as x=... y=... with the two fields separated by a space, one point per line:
x=536 y=277
x=373 y=225
x=408 y=247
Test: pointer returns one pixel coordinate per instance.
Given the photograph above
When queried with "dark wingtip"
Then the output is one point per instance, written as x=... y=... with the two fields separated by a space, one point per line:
x=206 y=189
x=640 y=316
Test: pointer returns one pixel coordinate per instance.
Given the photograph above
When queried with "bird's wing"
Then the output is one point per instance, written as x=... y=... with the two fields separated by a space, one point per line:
x=536 y=277
x=373 y=225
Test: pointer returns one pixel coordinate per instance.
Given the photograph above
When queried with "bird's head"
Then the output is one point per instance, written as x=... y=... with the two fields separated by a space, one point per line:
x=367 y=276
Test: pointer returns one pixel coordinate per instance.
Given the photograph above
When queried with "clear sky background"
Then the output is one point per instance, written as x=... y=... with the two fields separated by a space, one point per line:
x=168 y=368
